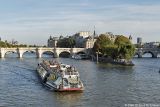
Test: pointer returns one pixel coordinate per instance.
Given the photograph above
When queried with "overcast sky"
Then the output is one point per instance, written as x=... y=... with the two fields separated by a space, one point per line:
x=33 y=21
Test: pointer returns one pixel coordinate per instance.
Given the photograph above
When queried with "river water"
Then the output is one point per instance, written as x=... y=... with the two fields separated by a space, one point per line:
x=105 y=85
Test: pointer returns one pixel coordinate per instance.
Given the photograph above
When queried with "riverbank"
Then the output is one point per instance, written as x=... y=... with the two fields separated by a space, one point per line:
x=113 y=61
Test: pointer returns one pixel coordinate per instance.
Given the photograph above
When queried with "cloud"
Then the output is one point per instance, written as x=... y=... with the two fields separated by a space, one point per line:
x=42 y=19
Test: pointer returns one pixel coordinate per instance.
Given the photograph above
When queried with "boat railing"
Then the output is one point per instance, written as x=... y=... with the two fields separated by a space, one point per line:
x=71 y=72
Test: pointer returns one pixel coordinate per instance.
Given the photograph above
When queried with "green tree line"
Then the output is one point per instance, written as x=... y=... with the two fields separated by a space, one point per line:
x=8 y=45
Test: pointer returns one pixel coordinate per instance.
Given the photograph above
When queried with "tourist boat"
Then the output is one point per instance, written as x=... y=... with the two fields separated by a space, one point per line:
x=59 y=77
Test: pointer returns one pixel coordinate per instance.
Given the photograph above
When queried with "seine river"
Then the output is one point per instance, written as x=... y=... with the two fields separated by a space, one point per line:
x=105 y=85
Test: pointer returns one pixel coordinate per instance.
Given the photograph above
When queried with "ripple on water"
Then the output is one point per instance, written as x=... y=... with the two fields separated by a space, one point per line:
x=105 y=85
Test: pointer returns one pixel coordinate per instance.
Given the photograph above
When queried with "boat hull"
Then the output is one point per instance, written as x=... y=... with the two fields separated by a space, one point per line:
x=70 y=90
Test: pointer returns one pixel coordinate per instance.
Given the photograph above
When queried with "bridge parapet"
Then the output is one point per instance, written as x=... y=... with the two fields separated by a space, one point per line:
x=39 y=51
x=153 y=51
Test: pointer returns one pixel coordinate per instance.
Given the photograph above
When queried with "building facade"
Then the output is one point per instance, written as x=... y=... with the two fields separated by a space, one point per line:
x=151 y=45
x=89 y=42
x=52 y=41
x=139 y=40
x=84 y=39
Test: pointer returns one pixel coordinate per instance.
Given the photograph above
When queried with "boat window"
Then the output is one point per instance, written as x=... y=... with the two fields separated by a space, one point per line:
x=65 y=82
x=58 y=81
x=52 y=77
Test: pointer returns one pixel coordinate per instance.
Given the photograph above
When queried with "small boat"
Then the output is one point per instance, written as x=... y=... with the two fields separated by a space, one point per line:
x=59 y=77
x=84 y=56
x=79 y=56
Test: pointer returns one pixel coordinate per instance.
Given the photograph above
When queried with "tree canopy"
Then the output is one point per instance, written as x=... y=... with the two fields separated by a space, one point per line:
x=120 y=48
x=66 y=42
x=102 y=43
x=122 y=40
x=9 y=45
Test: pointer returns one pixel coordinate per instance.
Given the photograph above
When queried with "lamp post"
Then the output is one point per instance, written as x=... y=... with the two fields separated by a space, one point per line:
x=97 y=56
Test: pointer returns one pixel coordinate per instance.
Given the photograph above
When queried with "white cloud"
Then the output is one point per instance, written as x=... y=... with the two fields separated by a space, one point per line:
x=138 y=20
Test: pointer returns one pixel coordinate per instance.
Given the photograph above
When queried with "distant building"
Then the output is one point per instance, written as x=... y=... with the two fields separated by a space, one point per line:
x=84 y=39
x=84 y=34
x=130 y=38
x=111 y=36
x=52 y=41
x=89 y=42
x=151 y=45
x=139 y=40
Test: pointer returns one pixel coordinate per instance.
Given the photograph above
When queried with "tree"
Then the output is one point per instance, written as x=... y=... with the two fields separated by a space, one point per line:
x=102 y=43
x=121 y=48
x=126 y=49
x=122 y=40
x=3 y=44
x=66 y=42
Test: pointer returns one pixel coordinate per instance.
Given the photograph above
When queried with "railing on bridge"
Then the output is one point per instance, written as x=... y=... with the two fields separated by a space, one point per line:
x=39 y=51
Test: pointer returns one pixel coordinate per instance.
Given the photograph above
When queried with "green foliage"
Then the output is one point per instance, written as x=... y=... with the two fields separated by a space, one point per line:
x=8 y=45
x=138 y=46
x=66 y=43
x=122 y=48
x=22 y=45
x=102 y=43
x=3 y=44
x=122 y=40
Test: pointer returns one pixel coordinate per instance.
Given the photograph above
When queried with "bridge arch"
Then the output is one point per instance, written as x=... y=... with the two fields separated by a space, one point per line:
x=137 y=55
x=81 y=52
x=148 y=52
x=39 y=51
x=61 y=51
x=33 y=52
x=64 y=54
x=47 y=53
x=13 y=52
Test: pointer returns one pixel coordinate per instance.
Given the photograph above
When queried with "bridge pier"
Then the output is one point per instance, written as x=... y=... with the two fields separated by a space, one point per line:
x=154 y=56
x=2 y=53
x=56 y=54
x=20 y=53
x=139 y=56
x=39 y=53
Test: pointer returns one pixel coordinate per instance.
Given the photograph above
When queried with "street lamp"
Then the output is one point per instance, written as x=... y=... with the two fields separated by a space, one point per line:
x=97 y=56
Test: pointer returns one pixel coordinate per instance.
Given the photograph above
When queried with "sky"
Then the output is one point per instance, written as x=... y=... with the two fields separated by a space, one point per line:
x=33 y=21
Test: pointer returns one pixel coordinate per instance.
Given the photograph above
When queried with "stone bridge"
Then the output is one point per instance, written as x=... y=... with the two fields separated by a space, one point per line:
x=153 y=51
x=40 y=51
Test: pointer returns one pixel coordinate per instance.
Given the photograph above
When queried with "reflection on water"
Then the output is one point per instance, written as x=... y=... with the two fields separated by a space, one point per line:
x=68 y=98
x=147 y=55
x=11 y=55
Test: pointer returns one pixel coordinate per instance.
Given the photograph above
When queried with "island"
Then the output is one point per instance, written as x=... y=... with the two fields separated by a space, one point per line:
x=118 y=51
